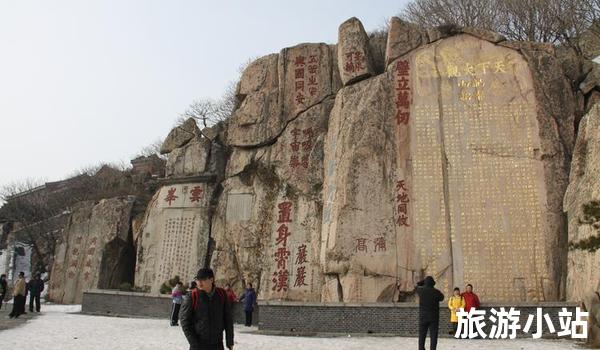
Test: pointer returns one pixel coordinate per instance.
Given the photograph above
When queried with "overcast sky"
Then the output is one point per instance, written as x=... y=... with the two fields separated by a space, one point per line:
x=84 y=82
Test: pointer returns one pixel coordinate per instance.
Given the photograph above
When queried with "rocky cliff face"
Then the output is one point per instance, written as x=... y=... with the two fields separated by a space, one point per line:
x=344 y=182
x=267 y=223
x=96 y=250
x=173 y=237
x=349 y=171
x=582 y=204
x=437 y=168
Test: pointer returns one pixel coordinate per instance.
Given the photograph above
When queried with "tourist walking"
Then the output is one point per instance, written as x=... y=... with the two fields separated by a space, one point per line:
x=206 y=314
x=3 y=289
x=19 y=291
x=429 y=311
x=249 y=299
x=35 y=287
x=455 y=303
x=177 y=296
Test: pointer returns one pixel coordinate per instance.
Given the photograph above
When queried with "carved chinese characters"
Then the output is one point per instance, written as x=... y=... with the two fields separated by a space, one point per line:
x=174 y=238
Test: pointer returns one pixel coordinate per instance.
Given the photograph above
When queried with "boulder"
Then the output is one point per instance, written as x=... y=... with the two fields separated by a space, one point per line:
x=190 y=159
x=592 y=100
x=572 y=64
x=306 y=77
x=403 y=37
x=180 y=135
x=354 y=54
x=260 y=74
x=285 y=85
x=592 y=80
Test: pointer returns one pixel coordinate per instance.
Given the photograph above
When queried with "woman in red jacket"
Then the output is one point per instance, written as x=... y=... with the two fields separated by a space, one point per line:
x=230 y=293
x=471 y=299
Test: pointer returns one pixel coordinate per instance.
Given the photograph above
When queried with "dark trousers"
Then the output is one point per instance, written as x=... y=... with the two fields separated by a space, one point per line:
x=18 y=306
x=248 y=318
x=175 y=314
x=208 y=347
x=433 y=327
x=34 y=298
x=1 y=300
x=453 y=328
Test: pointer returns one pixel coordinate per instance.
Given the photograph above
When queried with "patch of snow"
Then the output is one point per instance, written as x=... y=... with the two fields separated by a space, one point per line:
x=60 y=327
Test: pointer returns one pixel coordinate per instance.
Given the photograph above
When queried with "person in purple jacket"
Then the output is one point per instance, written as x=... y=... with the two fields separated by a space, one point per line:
x=249 y=299
x=177 y=295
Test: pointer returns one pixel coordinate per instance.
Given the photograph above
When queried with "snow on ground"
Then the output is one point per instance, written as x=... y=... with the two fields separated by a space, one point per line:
x=60 y=327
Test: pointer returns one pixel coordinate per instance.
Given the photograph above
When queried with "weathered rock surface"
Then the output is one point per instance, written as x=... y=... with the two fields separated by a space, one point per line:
x=174 y=237
x=556 y=120
x=591 y=304
x=592 y=80
x=487 y=35
x=402 y=38
x=191 y=159
x=267 y=183
x=180 y=135
x=592 y=100
x=447 y=157
x=589 y=42
x=306 y=77
x=425 y=163
x=358 y=236
x=276 y=88
x=583 y=275
x=96 y=250
x=354 y=55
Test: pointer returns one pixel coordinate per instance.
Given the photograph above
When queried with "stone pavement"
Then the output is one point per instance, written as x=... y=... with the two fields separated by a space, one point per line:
x=7 y=323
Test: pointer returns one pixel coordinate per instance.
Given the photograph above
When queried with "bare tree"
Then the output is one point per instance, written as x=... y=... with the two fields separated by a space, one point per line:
x=552 y=21
x=472 y=13
x=209 y=111
x=212 y=111
x=36 y=217
x=39 y=210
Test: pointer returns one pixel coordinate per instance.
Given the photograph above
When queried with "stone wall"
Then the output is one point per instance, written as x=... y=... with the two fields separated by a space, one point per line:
x=128 y=304
x=291 y=318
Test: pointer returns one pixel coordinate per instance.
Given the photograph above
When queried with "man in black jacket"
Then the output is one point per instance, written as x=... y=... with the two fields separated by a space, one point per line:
x=35 y=288
x=3 y=289
x=206 y=313
x=429 y=311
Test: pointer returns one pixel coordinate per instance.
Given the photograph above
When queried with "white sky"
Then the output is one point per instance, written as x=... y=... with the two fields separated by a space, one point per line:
x=84 y=82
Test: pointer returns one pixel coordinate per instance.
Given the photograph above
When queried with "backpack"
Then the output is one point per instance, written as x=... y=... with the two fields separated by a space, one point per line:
x=196 y=295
